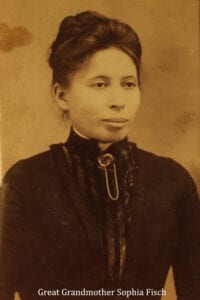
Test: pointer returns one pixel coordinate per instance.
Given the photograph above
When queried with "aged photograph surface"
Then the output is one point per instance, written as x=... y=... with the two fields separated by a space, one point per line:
x=99 y=149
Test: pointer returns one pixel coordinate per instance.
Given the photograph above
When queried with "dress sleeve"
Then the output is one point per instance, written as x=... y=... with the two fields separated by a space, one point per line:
x=11 y=241
x=186 y=266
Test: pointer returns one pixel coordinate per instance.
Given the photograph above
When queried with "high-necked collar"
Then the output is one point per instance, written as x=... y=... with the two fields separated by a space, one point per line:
x=89 y=149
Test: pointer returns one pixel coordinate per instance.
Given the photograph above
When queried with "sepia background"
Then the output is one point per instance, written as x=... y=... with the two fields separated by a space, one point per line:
x=168 y=121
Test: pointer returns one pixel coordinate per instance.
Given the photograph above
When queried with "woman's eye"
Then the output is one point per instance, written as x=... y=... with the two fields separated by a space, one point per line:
x=129 y=84
x=100 y=85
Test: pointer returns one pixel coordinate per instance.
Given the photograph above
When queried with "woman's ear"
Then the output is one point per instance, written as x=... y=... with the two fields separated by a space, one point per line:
x=60 y=97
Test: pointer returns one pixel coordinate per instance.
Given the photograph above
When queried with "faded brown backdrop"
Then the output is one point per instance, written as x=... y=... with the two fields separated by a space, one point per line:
x=168 y=122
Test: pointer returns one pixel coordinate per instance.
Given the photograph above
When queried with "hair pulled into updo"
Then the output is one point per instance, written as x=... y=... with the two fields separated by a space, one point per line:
x=82 y=35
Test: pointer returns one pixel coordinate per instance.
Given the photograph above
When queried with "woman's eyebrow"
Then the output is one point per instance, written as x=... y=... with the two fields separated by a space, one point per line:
x=130 y=77
x=104 y=77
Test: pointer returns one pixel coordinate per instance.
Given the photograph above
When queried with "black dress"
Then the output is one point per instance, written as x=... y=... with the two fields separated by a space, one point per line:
x=71 y=225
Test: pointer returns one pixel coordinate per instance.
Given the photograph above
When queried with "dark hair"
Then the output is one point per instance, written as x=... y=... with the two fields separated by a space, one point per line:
x=82 y=35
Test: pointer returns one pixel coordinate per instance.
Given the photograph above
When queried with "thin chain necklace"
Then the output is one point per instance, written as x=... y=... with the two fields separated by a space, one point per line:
x=104 y=161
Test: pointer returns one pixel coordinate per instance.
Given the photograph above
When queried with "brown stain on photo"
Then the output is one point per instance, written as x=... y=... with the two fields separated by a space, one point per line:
x=185 y=119
x=11 y=38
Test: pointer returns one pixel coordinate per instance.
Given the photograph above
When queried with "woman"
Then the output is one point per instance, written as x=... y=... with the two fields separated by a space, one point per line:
x=96 y=216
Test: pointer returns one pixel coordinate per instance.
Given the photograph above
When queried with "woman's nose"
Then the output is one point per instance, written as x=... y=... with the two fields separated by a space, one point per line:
x=116 y=100
x=117 y=107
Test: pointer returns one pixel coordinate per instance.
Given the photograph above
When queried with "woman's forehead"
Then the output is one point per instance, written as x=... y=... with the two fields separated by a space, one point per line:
x=107 y=63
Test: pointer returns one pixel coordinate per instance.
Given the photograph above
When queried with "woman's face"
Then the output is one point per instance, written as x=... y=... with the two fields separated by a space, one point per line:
x=103 y=96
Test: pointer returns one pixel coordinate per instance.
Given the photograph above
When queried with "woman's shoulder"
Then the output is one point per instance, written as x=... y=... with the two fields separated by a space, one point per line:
x=36 y=166
x=163 y=167
x=146 y=157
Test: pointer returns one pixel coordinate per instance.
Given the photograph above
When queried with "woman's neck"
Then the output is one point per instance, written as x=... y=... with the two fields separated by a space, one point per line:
x=102 y=145
x=80 y=134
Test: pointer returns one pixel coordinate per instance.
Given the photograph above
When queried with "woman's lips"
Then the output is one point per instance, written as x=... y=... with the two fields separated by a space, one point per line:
x=115 y=120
